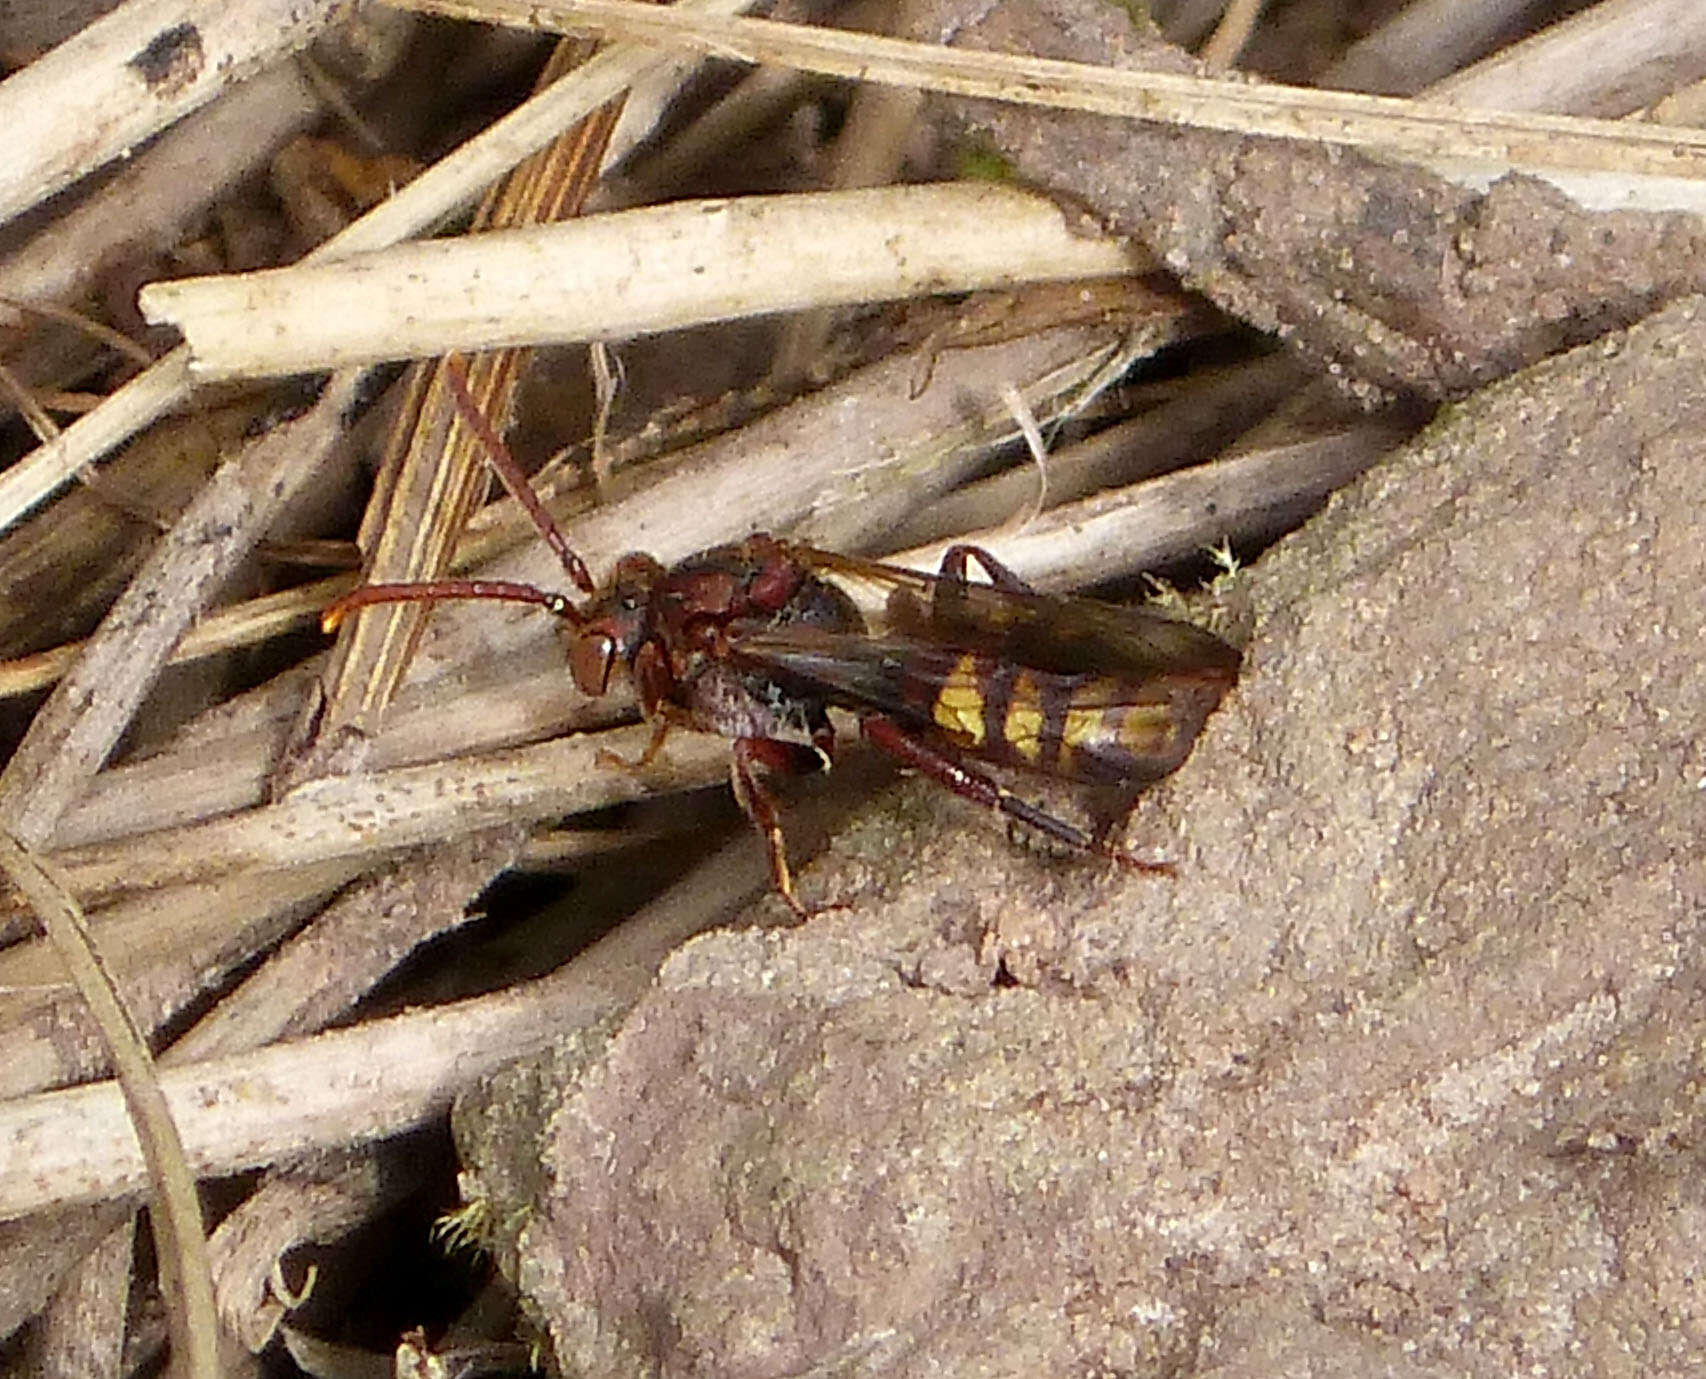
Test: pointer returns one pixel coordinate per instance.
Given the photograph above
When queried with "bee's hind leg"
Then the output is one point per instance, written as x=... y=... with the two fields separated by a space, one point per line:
x=946 y=768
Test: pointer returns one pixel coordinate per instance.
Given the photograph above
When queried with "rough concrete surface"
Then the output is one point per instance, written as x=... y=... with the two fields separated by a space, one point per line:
x=1400 y=1076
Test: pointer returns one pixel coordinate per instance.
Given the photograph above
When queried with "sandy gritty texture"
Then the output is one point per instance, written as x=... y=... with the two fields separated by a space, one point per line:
x=1400 y=1076
x=1395 y=280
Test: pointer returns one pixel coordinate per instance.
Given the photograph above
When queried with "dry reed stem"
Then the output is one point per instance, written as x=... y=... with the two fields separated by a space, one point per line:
x=71 y=737
x=323 y=970
x=405 y=906
x=81 y=1332
x=78 y=1147
x=629 y=273
x=525 y=697
x=760 y=99
x=320 y=973
x=383 y=812
x=1125 y=531
x=1631 y=164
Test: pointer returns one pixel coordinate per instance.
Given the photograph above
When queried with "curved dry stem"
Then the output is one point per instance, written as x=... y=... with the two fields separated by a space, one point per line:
x=186 y=1278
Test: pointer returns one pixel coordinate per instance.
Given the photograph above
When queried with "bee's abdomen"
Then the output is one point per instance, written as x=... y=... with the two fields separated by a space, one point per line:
x=1081 y=727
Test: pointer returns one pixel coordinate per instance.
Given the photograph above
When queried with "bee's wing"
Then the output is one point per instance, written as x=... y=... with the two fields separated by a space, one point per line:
x=894 y=675
x=1061 y=635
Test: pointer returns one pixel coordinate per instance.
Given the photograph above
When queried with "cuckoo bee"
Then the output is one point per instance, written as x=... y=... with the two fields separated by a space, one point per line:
x=757 y=640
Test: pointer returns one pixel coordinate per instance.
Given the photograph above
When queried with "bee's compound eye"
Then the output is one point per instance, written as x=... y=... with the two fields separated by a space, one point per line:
x=592 y=655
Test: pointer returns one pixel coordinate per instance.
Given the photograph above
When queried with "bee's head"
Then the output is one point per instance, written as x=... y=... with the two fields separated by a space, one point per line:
x=614 y=625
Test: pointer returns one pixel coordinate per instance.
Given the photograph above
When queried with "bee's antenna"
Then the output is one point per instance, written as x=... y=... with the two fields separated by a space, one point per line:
x=509 y=473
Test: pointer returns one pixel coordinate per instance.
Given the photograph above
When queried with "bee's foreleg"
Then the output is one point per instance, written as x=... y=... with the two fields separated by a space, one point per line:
x=751 y=757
